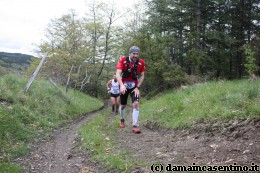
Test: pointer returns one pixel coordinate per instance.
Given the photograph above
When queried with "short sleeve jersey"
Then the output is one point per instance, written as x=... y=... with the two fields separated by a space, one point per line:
x=122 y=65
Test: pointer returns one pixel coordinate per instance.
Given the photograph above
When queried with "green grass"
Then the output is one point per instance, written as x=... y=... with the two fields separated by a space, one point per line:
x=98 y=136
x=221 y=100
x=9 y=168
x=24 y=117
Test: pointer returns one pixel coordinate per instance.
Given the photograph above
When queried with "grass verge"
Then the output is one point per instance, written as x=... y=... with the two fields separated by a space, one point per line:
x=221 y=100
x=24 y=117
x=98 y=136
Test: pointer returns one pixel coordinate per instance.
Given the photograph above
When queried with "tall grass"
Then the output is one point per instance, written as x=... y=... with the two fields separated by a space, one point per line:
x=219 y=99
x=24 y=117
x=177 y=108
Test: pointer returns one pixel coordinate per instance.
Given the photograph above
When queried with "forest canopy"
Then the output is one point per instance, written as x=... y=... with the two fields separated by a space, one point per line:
x=181 y=41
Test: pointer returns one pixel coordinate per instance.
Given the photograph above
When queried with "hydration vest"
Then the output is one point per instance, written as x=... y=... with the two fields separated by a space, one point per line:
x=130 y=70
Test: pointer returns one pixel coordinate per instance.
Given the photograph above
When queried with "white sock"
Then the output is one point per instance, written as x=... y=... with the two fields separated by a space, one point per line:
x=135 y=116
x=122 y=113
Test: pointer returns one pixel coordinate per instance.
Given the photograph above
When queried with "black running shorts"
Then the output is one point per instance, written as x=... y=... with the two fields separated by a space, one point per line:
x=114 y=95
x=123 y=97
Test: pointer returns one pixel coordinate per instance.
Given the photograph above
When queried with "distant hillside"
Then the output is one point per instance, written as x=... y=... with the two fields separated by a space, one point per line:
x=16 y=58
x=16 y=61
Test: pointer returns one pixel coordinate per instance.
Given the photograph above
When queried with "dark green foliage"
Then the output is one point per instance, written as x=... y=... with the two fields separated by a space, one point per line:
x=200 y=38
x=207 y=37
x=250 y=64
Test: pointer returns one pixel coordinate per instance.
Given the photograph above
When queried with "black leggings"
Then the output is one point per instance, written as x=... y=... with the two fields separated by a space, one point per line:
x=123 y=97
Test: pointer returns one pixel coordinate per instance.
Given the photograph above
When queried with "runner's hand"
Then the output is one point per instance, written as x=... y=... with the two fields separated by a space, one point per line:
x=122 y=89
x=137 y=92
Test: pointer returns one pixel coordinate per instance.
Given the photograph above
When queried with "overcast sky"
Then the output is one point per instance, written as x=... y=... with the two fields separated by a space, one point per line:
x=23 y=21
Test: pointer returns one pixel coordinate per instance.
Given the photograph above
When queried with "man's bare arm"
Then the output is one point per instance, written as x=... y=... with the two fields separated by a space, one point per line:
x=119 y=79
x=118 y=76
x=141 y=79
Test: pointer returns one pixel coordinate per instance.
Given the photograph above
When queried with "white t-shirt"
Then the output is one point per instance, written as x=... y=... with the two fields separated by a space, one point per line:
x=115 y=87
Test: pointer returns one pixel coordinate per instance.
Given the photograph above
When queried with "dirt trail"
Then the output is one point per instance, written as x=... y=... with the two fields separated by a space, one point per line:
x=207 y=143
x=57 y=155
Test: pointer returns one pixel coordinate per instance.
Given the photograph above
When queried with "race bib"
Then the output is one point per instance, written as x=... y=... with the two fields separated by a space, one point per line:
x=129 y=85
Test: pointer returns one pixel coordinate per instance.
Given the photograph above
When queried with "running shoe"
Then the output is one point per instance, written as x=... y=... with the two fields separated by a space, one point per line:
x=122 y=124
x=136 y=130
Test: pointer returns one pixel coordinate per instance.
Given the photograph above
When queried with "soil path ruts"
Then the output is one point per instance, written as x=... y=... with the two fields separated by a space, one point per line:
x=205 y=143
x=57 y=155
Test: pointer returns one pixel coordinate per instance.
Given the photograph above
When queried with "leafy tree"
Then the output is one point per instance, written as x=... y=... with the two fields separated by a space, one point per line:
x=81 y=49
x=216 y=30
x=250 y=64
x=194 y=37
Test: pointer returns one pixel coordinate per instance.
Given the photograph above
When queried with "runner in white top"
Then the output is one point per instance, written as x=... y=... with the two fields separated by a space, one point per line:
x=114 y=90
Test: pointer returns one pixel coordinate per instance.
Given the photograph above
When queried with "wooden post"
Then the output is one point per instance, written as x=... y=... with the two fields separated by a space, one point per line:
x=35 y=74
x=68 y=81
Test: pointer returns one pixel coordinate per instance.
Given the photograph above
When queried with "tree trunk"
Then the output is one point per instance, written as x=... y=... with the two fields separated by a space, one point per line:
x=198 y=17
x=68 y=81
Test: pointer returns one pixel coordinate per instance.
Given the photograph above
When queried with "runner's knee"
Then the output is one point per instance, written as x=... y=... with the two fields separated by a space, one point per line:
x=122 y=107
x=136 y=105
